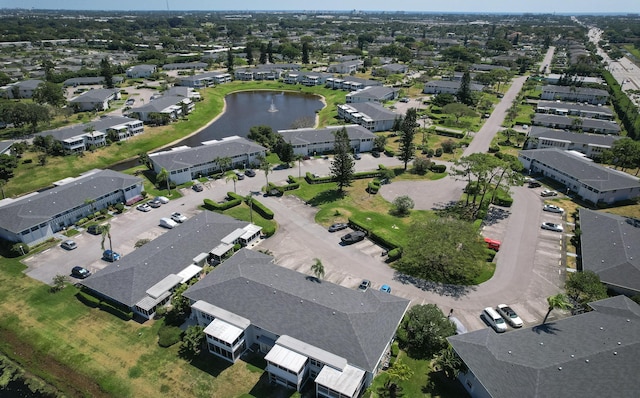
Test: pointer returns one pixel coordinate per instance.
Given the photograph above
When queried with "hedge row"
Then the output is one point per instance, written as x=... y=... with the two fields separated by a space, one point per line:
x=373 y=235
x=357 y=176
x=389 y=152
x=447 y=133
x=374 y=186
x=234 y=201
x=283 y=188
x=319 y=180
x=263 y=210
x=438 y=168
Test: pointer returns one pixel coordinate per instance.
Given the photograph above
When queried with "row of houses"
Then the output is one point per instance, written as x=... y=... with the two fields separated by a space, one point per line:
x=591 y=145
x=249 y=303
x=187 y=163
x=588 y=125
x=370 y=115
x=36 y=217
x=587 y=95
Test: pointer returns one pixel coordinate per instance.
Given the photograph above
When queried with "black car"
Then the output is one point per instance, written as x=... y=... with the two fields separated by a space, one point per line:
x=352 y=237
x=80 y=272
x=249 y=173
x=338 y=227
x=375 y=154
x=94 y=229
x=198 y=187
x=534 y=184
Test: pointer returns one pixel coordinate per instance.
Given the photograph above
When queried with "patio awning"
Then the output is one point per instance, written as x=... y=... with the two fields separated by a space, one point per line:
x=286 y=358
x=164 y=285
x=148 y=303
x=189 y=272
x=223 y=331
x=346 y=382
x=221 y=249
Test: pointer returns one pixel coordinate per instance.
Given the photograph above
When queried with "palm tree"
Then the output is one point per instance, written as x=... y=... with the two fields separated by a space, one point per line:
x=559 y=301
x=162 y=176
x=266 y=167
x=449 y=362
x=232 y=177
x=317 y=268
x=92 y=203
x=249 y=200
x=397 y=373
x=298 y=158
x=225 y=162
x=106 y=233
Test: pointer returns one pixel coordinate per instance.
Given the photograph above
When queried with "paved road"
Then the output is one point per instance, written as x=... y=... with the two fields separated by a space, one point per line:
x=545 y=66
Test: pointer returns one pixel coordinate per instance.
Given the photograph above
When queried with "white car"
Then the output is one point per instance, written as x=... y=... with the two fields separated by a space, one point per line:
x=552 y=227
x=553 y=209
x=144 y=207
x=548 y=192
x=168 y=223
x=510 y=315
x=177 y=217
x=162 y=199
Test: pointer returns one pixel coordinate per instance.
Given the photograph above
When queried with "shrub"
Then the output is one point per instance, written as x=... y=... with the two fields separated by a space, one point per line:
x=169 y=335
x=119 y=207
x=19 y=249
x=447 y=133
x=448 y=146
x=421 y=165
x=374 y=186
x=395 y=254
x=389 y=152
x=403 y=204
x=494 y=149
x=430 y=153
x=214 y=206
x=438 y=152
x=438 y=168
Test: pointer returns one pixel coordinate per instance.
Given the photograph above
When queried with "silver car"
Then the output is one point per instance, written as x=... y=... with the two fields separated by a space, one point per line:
x=553 y=209
x=551 y=226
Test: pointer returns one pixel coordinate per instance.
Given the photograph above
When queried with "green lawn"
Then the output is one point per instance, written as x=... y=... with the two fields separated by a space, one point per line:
x=424 y=383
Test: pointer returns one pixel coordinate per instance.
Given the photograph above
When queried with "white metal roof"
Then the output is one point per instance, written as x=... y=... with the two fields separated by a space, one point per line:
x=250 y=230
x=148 y=303
x=345 y=382
x=312 y=351
x=286 y=358
x=223 y=330
x=222 y=314
x=164 y=285
x=189 y=272
x=233 y=236
x=221 y=249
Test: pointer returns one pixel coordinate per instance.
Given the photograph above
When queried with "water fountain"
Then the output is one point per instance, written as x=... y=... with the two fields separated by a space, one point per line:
x=273 y=108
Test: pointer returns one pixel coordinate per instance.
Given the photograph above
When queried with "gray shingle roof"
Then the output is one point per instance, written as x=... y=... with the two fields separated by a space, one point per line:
x=78 y=129
x=89 y=80
x=583 y=170
x=453 y=85
x=159 y=104
x=311 y=135
x=127 y=280
x=595 y=354
x=587 y=123
x=578 y=138
x=610 y=248
x=187 y=157
x=345 y=322
x=41 y=207
x=374 y=92
x=575 y=107
x=578 y=90
x=374 y=110
x=96 y=95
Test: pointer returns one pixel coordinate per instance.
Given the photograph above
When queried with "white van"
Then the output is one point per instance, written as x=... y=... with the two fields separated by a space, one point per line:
x=168 y=223
x=494 y=320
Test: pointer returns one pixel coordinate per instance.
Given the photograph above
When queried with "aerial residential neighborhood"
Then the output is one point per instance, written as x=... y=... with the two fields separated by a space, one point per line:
x=401 y=200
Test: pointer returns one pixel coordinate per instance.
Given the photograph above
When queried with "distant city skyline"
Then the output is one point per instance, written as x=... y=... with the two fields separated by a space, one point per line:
x=453 y=6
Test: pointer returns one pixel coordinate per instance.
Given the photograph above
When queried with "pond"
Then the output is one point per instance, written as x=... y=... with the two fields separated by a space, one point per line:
x=278 y=109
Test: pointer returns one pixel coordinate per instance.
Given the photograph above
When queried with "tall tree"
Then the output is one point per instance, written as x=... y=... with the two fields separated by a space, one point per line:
x=458 y=110
x=249 y=51
x=305 y=53
x=407 y=150
x=443 y=250
x=229 y=61
x=317 y=268
x=559 y=301
x=342 y=166
x=105 y=230
x=266 y=167
x=450 y=363
x=397 y=373
x=424 y=331
x=464 y=94
x=107 y=71
x=163 y=177
x=192 y=341
x=49 y=93
x=263 y=53
x=270 y=52
x=585 y=287
x=231 y=176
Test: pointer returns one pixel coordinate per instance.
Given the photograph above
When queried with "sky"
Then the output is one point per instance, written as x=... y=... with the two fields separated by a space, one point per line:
x=487 y=6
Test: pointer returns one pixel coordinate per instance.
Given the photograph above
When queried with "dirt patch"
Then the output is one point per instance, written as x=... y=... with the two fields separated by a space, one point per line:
x=60 y=376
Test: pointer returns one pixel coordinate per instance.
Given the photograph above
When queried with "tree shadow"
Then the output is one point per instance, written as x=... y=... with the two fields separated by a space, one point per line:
x=438 y=385
x=496 y=214
x=209 y=363
x=326 y=197
x=548 y=328
x=441 y=289
x=313 y=279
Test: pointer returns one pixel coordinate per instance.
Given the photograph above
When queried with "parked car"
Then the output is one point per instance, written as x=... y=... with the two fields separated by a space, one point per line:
x=551 y=226
x=404 y=99
x=385 y=288
x=239 y=174
x=375 y=154
x=198 y=187
x=357 y=156
x=144 y=207
x=155 y=203
x=69 y=244
x=364 y=285
x=553 y=209
x=80 y=272
x=492 y=244
x=338 y=227
x=353 y=237
x=130 y=102
x=249 y=173
x=168 y=223
x=110 y=256
x=548 y=192
x=493 y=319
x=162 y=199
x=177 y=217
x=510 y=315
x=94 y=229
x=534 y=184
